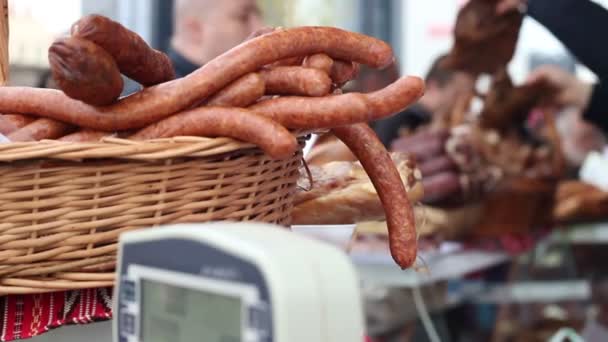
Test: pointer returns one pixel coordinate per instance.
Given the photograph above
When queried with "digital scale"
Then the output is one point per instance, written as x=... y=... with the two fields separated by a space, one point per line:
x=233 y=282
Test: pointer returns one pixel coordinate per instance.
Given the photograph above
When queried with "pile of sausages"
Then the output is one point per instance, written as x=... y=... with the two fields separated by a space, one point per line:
x=276 y=82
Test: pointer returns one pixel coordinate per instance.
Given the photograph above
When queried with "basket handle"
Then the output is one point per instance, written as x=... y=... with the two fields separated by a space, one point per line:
x=4 y=36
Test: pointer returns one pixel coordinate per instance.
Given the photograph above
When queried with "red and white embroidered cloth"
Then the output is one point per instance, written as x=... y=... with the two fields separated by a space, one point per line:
x=26 y=316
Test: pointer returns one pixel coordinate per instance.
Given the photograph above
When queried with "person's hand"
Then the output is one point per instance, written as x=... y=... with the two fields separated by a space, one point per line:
x=569 y=90
x=506 y=6
x=440 y=175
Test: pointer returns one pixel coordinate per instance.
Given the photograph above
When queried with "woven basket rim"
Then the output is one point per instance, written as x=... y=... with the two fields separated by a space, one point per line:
x=117 y=148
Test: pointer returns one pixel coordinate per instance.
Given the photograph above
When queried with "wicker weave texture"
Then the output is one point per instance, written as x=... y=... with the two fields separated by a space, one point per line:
x=60 y=218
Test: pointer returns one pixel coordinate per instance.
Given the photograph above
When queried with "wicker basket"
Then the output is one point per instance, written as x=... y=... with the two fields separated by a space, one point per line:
x=63 y=205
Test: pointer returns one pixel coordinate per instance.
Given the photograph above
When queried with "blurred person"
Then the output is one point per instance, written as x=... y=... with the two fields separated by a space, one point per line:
x=444 y=88
x=205 y=29
x=573 y=22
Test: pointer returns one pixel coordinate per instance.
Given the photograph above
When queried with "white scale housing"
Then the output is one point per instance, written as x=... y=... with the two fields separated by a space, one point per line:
x=232 y=282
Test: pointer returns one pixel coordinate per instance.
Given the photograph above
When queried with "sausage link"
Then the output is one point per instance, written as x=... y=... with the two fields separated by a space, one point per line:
x=39 y=130
x=296 y=81
x=85 y=135
x=319 y=61
x=396 y=97
x=158 y=102
x=377 y=162
x=12 y=122
x=6 y=127
x=236 y=123
x=292 y=61
x=241 y=93
x=343 y=72
x=134 y=57
x=340 y=110
x=84 y=71
x=19 y=120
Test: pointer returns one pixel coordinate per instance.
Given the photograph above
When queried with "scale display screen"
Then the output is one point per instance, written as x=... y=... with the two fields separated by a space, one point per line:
x=176 y=314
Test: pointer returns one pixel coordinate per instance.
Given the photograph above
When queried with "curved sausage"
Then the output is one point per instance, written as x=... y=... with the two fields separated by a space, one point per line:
x=6 y=127
x=39 y=130
x=19 y=120
x=241 y=93
x=157 y=102
x=296 y=80
x=134 y=57
x=342 y=72
x=316 y=112
x=84 y=71
x=340 y=110
x=85 y=135
x=377 y=162
x=12 y=122
x=236 y=123
x=292 y=61
x=319 y=61
x=396 y=97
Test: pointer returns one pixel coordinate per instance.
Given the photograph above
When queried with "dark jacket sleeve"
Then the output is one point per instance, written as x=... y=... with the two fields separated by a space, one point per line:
x=597 y=110
x=577 y=24
x=388 y=129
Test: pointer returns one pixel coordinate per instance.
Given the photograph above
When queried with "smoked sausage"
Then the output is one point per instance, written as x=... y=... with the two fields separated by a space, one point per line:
x=342 y=72
x=236 y=123
x=85 y=135
x=319 y=61
x=296 y=80
x=340 y=110
x=39 y=130
x=84 y=71
x=12 y=122
x=241 y=93
x=134 y=57
x=157 y=102
x=379 y=166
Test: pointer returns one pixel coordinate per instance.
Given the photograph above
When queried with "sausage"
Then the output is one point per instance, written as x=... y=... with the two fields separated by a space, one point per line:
x=342 y=72
x=134 y=57
x=295 y=80
x=84 y=71
x=340 y=110
x=39 y=130
x=261 y=31
x=85 y=135
x=19 y=120
x=396 y=97
x=377 y=162
x=12 y=122
x=241 y=93
x=158 y=102
x=292 y=61
x=319 y=61
x=237 y=123
x=7 y=127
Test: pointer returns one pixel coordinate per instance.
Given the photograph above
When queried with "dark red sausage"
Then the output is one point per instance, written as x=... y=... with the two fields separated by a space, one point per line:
x=84 y=71
x=156 y=103
x=319 y=61
x=241 y=93
x=134 y=57
x=85 y=135
x=296 y=81
x=39 y=130
x=378 y=164
x=340 y=110
x=236 y=123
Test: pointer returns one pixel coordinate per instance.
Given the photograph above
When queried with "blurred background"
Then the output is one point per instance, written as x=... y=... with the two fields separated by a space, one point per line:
x=418 y=30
